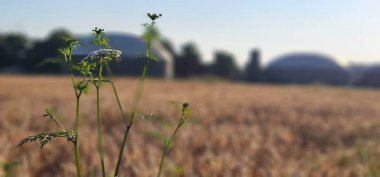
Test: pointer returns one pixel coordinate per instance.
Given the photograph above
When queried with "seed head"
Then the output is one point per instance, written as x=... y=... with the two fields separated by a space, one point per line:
x=154 y=16
x=104 y=55
x=98 y=31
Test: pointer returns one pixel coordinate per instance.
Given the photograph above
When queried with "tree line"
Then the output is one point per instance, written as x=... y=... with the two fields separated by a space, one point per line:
x=18 y=53
x=188 y=63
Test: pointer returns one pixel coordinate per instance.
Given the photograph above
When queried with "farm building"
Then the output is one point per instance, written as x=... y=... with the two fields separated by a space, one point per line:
x=131 y=47
x=306 y=68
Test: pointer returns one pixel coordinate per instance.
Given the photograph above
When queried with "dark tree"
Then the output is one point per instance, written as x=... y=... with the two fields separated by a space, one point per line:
x=252 y=71
x=46 y=49
x=13 y=48
x=224 y=65
x=189 y=62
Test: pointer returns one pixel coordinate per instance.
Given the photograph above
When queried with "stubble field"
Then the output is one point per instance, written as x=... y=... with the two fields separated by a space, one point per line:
x=235 y=130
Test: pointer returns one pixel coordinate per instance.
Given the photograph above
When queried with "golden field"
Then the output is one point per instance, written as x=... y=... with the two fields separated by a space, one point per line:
x=235 y=130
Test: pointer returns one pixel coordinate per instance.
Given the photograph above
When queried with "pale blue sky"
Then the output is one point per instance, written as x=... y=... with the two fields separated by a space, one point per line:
x=345 y=29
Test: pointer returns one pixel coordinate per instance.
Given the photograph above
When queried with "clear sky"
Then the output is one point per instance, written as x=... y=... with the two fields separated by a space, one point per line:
x=345 y=29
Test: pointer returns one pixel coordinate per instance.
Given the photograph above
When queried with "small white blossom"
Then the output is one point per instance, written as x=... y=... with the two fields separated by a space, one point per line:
x=104 y=55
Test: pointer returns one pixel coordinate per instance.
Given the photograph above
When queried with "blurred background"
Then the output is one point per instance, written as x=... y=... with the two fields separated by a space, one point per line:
x=277 y=88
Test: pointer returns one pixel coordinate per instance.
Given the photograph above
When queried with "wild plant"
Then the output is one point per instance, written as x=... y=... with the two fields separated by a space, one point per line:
x=149 y=36
x=90 y=68
x=78 y=90
x=72 y=135
x=96 y=61
x=46 y=137
x=185 y=113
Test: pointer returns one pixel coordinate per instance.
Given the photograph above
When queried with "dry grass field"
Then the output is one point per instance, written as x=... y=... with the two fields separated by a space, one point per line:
x=236 y=130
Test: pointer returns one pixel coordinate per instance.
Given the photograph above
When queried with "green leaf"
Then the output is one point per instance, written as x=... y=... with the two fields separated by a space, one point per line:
x=85 y=67
x=83 y=87
x=187 y=112
x=154 y=58
x=46 y=137
x=49 y=61
x=64 y=51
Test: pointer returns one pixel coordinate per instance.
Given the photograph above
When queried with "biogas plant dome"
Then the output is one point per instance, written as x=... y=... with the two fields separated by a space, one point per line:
x=306 y=68
x=131 y=46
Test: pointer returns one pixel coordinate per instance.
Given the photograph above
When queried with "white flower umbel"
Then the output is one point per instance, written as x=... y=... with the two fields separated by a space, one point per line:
x=104 y=55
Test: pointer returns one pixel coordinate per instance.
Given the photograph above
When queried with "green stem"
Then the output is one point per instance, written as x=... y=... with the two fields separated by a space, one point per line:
x=99 y=123
x=73 y=82
x=76 y=128
x=166 y=150
x=118 y=101
x=109 y=73
x=100 y=132
x=136 y=100
x=77 y=159
x=100 y=72
x=169 y=142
